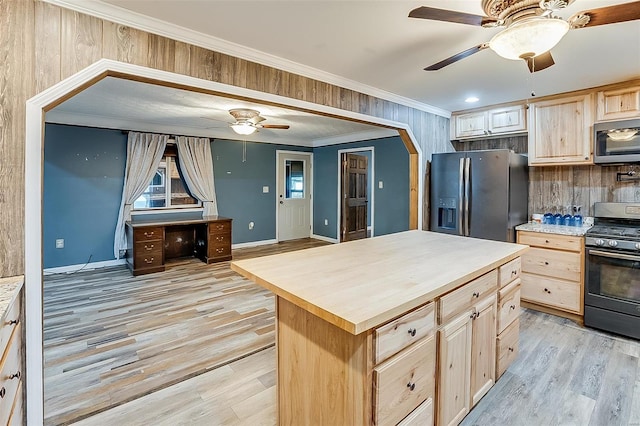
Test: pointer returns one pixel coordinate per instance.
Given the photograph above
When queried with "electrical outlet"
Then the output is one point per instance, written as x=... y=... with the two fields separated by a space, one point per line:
x=380 y=185
x=326 y=222
x=60 y=243
x=251 y=225
x=265 y=189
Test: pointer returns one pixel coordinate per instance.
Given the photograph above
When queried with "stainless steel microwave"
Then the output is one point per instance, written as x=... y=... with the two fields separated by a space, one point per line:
x=617 y=142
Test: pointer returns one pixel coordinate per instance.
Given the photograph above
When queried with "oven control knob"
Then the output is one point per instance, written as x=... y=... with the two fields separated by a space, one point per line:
x=599 y=242
x=613 y=243
x=637 y=246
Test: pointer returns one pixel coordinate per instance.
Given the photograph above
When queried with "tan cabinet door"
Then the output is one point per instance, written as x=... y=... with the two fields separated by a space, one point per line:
x=483 y=348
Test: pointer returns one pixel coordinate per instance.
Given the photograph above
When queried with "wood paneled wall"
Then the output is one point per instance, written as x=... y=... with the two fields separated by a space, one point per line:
x=42 y=44
x=557 y=188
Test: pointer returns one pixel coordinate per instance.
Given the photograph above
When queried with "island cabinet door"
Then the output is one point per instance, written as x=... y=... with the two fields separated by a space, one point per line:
x=454 y=385
x=483 y=348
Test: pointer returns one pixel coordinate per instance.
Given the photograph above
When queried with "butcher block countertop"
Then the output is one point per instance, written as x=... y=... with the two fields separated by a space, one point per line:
x=362 y=284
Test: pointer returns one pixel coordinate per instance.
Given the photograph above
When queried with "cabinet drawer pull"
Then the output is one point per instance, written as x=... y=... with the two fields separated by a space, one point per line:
x=476 y=294
x=474 y=315
x=219 y=238
x=13 y=322
x=510 y=349
x=3 y=392
x=412 y=332
x=220 y=250
x=16 y=375
x=149 y=248
x=514 y=272
x=547 y=290
x=411 y=386
x=148 y=234
x=219 y=227
x=512 y=307
x=148 y=260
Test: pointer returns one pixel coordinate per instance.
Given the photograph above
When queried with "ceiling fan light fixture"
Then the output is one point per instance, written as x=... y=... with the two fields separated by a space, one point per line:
x=529 y=37
x=243 y=128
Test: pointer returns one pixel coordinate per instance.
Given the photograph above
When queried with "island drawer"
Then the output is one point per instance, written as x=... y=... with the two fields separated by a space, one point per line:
x=507 y=347
x=146 y=234
x=552 y=241
x=552 y=292
x=508 y=305
x=392 y=337
x=404 y=381
x=421 y=416
x=455 y=302
x=559 y=264
x=510 y=271
x=222 y=227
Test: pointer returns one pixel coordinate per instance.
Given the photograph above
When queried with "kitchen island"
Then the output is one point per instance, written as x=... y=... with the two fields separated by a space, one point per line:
x=357 y=325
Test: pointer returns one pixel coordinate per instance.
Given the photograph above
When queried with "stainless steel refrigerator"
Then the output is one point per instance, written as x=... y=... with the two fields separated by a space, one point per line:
x=481 y=194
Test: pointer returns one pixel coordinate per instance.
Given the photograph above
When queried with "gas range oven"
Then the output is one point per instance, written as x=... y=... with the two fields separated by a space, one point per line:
x=612 y=269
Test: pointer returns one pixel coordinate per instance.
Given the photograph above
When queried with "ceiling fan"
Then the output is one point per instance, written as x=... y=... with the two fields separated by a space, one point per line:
x=531 y=29
x=249 y=121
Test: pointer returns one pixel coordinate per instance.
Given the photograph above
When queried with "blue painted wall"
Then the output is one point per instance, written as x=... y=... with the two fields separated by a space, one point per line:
x=239 y=186
x=391 y=202
x=83 y=178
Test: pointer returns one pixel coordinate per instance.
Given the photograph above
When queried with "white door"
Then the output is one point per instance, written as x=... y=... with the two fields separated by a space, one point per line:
x=294 y=195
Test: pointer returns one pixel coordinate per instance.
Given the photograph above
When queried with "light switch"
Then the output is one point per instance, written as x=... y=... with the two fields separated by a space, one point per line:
x=265 y=189
x=60 y=243
x=380 y=185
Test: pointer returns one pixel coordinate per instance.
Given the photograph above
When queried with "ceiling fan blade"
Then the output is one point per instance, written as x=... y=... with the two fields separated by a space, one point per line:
x=457 y=57
x=449 y=16
x=610 y=14
x=540 y=62
x=274 y=126
x=257 y=119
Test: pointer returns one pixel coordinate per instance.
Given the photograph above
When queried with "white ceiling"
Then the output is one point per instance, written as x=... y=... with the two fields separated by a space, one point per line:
x=376 y=44
x=130 y=105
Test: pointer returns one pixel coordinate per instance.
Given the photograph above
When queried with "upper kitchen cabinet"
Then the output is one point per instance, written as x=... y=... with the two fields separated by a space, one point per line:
x=489 y=123
x=560 y=131
x=618 y=104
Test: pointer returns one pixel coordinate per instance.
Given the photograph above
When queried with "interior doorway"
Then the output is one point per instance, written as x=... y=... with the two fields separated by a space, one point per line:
x=355 y=204
x=294 y=206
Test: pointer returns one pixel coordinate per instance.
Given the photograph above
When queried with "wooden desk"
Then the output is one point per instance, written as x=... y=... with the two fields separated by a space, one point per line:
x=153 y=241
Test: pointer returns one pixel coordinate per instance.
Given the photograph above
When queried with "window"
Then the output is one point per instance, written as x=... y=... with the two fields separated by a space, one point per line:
x=167 y=189
x=294 y=170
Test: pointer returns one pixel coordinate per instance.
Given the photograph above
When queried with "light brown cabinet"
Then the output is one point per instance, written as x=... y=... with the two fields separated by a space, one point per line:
x=489 y=123
x=553 y=272
x=12 y=363
x=560 y=131
x=467 y=347
x=508 y=321
x=618 y=104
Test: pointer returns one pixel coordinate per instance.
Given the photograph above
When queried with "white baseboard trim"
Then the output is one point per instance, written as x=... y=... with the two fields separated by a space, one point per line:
x=254 y=244
x=323 y=238
x=84 y=267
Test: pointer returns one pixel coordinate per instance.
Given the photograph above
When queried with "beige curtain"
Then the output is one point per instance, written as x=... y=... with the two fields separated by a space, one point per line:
x=144 y=153
x=196 y=165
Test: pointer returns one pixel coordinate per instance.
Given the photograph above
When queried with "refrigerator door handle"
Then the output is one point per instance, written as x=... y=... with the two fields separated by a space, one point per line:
x=461 y=197
x=467 y=189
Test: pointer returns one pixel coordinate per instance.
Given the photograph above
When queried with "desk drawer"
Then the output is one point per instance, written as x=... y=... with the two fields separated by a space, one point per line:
x=508 y=305
x=11 y=321
x=219 y=250
x=148 y=234
x=220 y=238
x=507 y=347
x=455 y=302
x=560 y=294
x=552 y=263
x=391 y=338
x=510 y=271
x=10 y=375
x=147 y=260
x=404 y=381
x=148 y=248
x=222 y=227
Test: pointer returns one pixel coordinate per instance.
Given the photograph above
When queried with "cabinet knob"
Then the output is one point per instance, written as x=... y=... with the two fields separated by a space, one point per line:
x=16 y=375
x=546 y=241
x=476 y=294
x=510 y=349
x=411 y=386
x=3 y=392
x=546 y=263
x=13 y=322
x=412 y=332
x=514 y=272
x=512 y=307
x=547 y=290
x=473 y=316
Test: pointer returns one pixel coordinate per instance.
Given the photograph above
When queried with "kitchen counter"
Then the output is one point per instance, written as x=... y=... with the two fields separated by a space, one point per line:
x=9 y=288
x=361 y=284
x=576 y=231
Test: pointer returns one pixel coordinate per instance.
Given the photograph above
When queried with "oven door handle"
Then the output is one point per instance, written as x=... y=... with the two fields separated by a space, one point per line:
x=614 y=255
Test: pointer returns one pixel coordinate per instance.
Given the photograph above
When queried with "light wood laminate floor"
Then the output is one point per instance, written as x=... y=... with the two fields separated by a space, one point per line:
x=565 y=375
x=110 y=338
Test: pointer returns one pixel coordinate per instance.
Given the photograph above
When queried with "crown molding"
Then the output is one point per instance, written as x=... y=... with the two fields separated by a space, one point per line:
x=136 y=20
x=355 y=137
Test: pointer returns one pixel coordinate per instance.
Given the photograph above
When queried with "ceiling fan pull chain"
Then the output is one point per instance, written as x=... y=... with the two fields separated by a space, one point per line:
x=244 y=151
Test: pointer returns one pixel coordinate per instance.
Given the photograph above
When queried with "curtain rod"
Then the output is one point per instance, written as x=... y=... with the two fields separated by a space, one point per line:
x=171 y=136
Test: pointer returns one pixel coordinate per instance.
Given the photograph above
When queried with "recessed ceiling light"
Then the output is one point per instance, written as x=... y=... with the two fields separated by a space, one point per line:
x=471 y=99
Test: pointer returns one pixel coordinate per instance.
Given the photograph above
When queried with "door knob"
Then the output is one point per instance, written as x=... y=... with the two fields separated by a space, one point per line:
x=281 y=202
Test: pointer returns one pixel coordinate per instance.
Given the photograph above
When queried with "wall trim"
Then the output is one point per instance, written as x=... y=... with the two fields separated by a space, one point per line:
x=84 y=266
x=34 y=142
x=323 y=238
x=253 y=244
x=139 y=21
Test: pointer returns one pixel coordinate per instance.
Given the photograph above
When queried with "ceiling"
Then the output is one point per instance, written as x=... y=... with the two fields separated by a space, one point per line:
x=131 y=105
x=375 y=44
